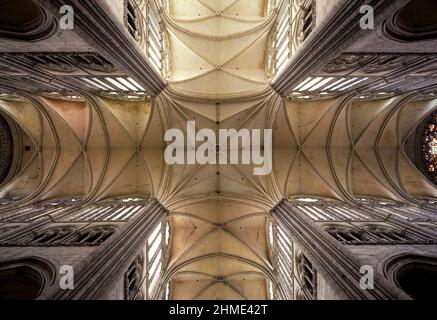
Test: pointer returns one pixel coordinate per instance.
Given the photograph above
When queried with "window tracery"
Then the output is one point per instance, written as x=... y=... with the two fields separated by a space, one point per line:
x=38 y=211
x=51 y=236
x=132 y=19
x=112 y=210
x=70 y=236
x=115 y=86
x=346 y=235
x=65 y=62
x=94 y=236
x=133 y=279
x=374 y=235
x=283 y=258
x=143 y=277
x=307 y=277
x=307 y=20
x=295 y=22
x=370 y=63
x=71 y=210
x=373 y=222
x=143 y=21
x=155 y=256
x=428 y=148
x=296 y=276
x=326 y=87
x=345 y=62
x=368 y=210
x=389 y=235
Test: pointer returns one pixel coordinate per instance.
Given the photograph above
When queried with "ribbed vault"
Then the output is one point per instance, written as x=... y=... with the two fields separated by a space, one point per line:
x=90 y=148
x=219 y=213
x=218 y=42
x=219 y=250
x=349 y=148
x=96 y=148
x=339 y=148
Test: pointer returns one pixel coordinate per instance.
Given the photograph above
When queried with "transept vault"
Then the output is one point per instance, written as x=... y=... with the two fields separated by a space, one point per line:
x=88 y=108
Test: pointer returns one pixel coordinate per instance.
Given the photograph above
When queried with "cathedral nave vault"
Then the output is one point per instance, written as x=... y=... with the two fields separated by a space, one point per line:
x=95 y=147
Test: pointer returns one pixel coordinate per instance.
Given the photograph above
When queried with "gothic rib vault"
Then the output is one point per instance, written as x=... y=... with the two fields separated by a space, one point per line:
x=93 y=146
x=218 y=213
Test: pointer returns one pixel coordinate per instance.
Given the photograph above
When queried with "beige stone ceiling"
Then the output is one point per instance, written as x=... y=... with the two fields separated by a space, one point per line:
x=344 y=149
x=219 y=217
x=336 y=148
x=218 y=48
x=218 y=55
x=92 y=149
x=98 y=148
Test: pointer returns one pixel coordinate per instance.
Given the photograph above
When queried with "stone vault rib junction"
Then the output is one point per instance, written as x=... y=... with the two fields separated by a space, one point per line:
x=90 y=89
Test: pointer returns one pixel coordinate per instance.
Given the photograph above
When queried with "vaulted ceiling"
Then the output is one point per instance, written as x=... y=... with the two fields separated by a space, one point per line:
x=223 y=43
x=95 y=148
x=346 y=148
x=218 y=212
x=90 y=148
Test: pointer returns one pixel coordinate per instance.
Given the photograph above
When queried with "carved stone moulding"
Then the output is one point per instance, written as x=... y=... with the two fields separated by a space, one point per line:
x=371 y=63
x=346 y=62
x=416 y=274
x=67 y=62
x=35 y=275
x=313 y=96
x=14 y=84
x=67 y=96
x=376 y=95
x=25 y=22
x=6 y=148
x=416 y=21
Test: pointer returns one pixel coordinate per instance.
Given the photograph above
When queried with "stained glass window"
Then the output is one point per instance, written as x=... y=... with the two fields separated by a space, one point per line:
x=429 y=148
